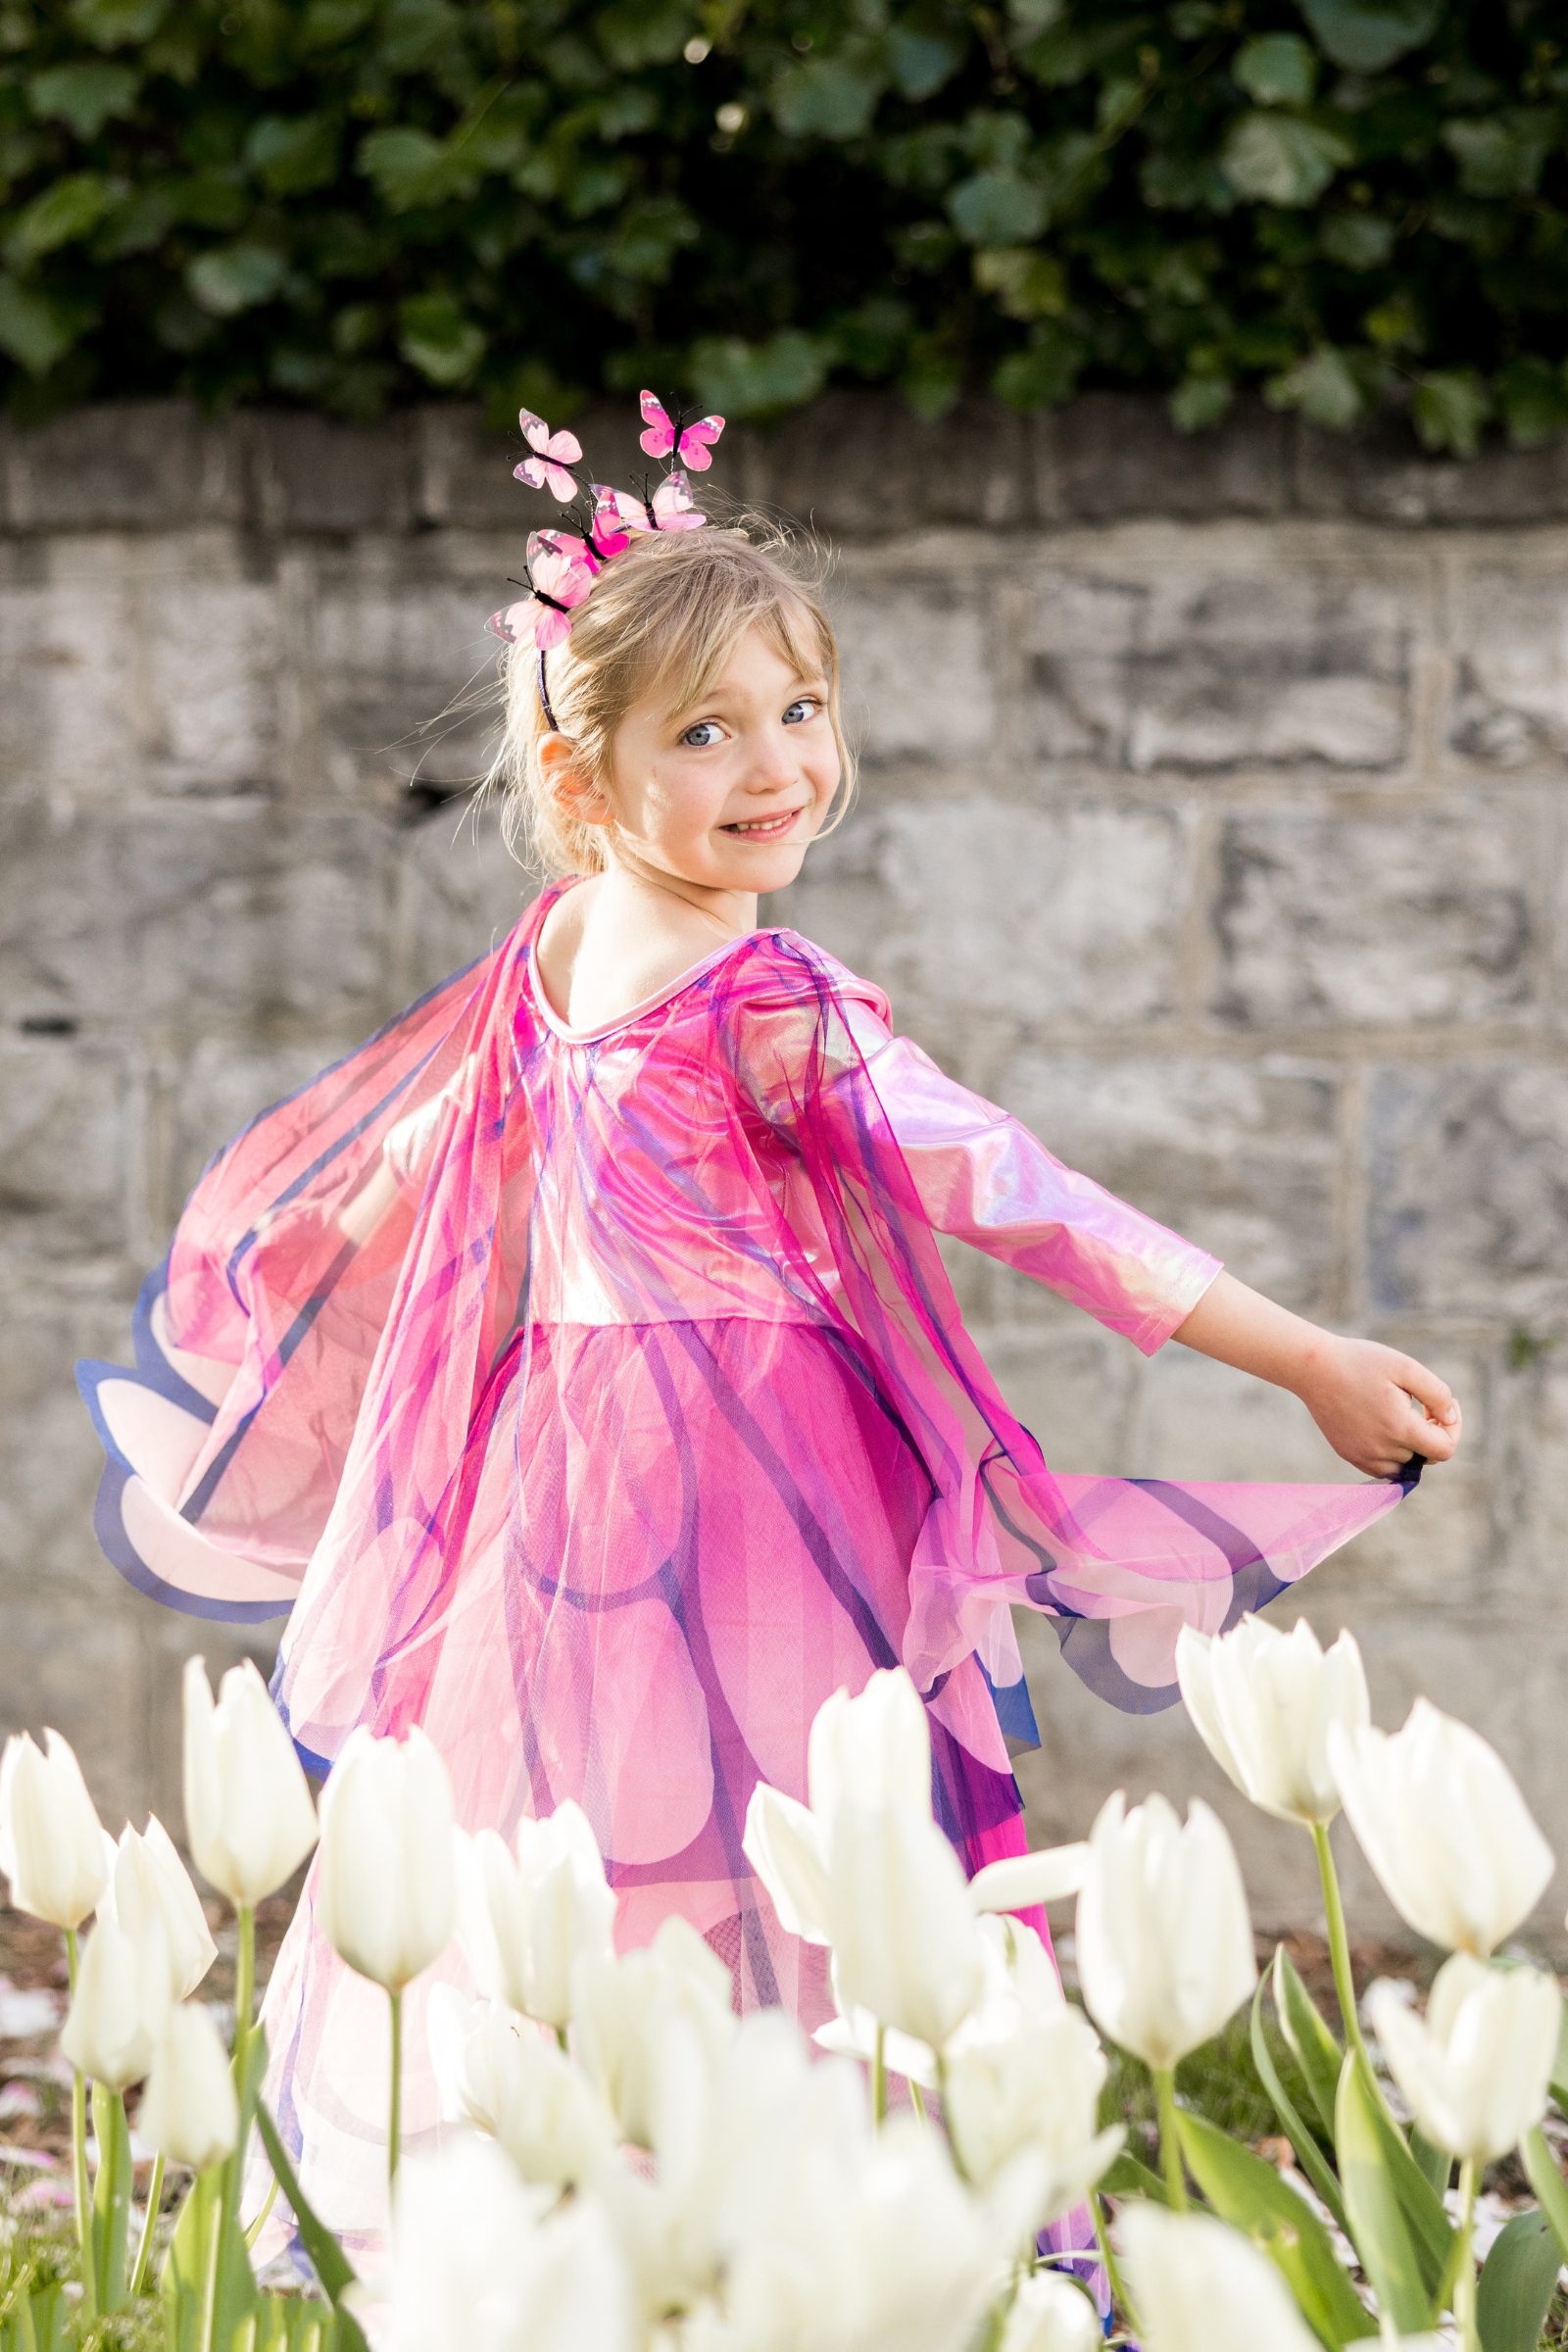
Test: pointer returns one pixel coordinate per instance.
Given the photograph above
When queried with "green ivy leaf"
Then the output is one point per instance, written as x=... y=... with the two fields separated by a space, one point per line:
x=1200 y=400
x=827 y=98
x=293 y=154
x=1448 y=407
x=329 y=24
x=84 y=96
x=921 y=62
x=1368 y=34
x=439 y=339
x=66 y=211
x=1281 y=161
x=1277 y=70
x=111 y=24
x=1047 y=373
x=34 y=332
x=933 y=378
x=1534 y=397
x=231 y=279
x=1502 y=155
x=1356 y=240
x=212 y=198
x=756 y=379
x=647 y=240
x=634 y=34
x=415 y=33
x=1027 y=283
x=998 y=208
x=1323 y=386
x=408 y=168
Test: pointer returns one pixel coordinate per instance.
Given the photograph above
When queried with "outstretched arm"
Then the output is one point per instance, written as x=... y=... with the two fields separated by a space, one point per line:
x=1375 y=1406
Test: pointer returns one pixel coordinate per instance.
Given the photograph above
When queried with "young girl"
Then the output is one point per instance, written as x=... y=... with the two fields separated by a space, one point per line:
x=576 y=1364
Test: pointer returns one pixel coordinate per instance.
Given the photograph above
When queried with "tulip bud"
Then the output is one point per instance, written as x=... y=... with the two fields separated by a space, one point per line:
x=875 y=1749
x=148 y=1881
x=189 y=2110
x=788 y=1848
x=1440 y=1817
x=906 y=1945
x=1198 y=2285
x=1476 y=2070
x=388 y=1894
x=498 y=2073
x=624 y=2010
x=248 y=1811
x=120 y=2003
x=1262 y=1702
x=1050 y=2315
x=524 y=1925
x=1038 y=2091
x=1165 y=1941
x=51 y=1839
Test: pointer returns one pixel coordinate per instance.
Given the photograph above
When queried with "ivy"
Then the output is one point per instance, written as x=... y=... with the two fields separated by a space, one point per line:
x=1341 y=203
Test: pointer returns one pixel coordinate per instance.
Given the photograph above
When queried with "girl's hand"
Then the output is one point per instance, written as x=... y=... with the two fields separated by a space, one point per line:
x=1377 y=1407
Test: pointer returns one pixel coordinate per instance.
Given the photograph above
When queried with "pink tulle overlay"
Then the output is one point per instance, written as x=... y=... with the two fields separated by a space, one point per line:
x=601 y=1402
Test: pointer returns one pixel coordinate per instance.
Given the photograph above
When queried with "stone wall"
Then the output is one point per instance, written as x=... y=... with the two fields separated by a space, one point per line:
x=1210 y=821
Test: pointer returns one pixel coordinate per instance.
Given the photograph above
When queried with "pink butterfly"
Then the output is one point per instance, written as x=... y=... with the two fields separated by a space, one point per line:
x=609 y=534
x=688 y=444
x=546 y=469
x=561 y=574
x=670 y=509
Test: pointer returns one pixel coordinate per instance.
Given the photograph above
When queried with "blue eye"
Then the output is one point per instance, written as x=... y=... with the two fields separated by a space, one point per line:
x=798 y=712
x=702 y=734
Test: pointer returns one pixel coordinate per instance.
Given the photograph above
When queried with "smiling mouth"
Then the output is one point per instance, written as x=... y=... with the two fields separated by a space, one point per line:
x=761 y=828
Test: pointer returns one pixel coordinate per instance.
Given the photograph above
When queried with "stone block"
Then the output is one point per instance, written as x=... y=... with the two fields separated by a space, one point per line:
x=1375 y=921
x=131 y=464
x=65 y=1142
x=982 y=911
x=1081 y=637
x=309 y=475
x=74 y=1668
x=860 y=464
x=1510 y=693
x=1071 y=1385
x=1380 y=474
x=460 y=892
x=1111 y=455
x=1240 y=1157
x=1468 y=1167
x=50 y=1461
x=917 y=665
x=402 y=679
x=1530 y=1506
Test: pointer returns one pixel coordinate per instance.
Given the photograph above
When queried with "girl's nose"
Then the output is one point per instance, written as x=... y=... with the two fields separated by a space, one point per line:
x=771 y=764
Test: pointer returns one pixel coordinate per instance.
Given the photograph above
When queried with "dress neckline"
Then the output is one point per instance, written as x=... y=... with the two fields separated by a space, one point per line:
x=634 y=1012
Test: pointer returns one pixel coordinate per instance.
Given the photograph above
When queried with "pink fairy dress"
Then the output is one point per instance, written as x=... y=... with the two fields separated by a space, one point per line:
x=640 y=1419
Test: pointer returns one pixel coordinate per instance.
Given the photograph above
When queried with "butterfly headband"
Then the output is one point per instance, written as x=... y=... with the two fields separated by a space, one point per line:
x=563 y=565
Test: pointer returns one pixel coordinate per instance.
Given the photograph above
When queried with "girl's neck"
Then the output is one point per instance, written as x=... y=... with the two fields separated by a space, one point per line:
x=623 y=935
x=645 y=897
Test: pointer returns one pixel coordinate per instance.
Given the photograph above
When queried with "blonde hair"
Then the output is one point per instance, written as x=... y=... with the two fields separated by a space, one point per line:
x=663 y=616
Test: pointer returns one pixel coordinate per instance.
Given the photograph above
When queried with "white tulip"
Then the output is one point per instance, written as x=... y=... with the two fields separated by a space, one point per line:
x=524 y=1923
x=51 y=1839
x=1476 y=2069
x=1440 y=1817
x=1165 y=1941
x=475 y=2269
x=1022 y=1987
x=1019 y=1880
x=622 y=2009
x=874 y=1749
x=853 y=2033
x=1198 y=2285
x=787 y=1847
x=120 y=2003
x=248 y=1811
x=189 y=2112
x=1050 y=2315
x=1262 y=1702
x=147 y=1881
x=906 y=1945
x=497 y=2072
x=386 y=1894
x=1040 y=2091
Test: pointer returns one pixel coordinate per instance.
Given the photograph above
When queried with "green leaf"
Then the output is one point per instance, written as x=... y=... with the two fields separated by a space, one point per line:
x=415 y=33
x=1047 y=373
x=1368 y=34
x=1308 y=2152
x=1307 y=2037
x=997 y=208
x=1245 y=2191
x=1356 y=240
x=111 y=24
x=1323 y=386
x=68 y=210
x=111 y=2203
x=231 y=279
x=1517 y=2279
x=633 y=33
x=1278 y=68
x=34 y=332
x=756 y=379
x=327 y=2259
x=922 y=58
x=1282 y=161
x=1200 y=400
x=1559 y=2064
x=1541 y=2169
x=1128 y=2178
x=293 y=154
x=439 y=339
x=1434 y=2164
x=84 y=96
x=1378 y=2224
x=1448 y=407
x=827 y=98
x=1502 y=155
x=1027 y=283
x=408 y=168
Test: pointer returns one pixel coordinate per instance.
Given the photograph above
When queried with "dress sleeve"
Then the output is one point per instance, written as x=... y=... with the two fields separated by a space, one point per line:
x=984 y=1178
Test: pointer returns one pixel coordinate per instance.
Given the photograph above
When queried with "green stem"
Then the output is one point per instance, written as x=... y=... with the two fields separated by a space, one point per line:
x=953 y=2149
x=1107 y=2257
x=394 y=2125
x=78 y=2154
x=1338 y=1942
x=1465 y=2284
x=207 y=2340
x=1170 y=2146
x=562 y=2043
x=155 y=2199
x=879 y=2077
x=244 y=1992
x=917 y=2098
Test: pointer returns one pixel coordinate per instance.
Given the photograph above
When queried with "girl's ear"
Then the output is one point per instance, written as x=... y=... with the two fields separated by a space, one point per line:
x=578 y=795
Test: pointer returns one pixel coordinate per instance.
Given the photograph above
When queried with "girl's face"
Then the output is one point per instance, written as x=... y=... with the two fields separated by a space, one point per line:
x=727 y=796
